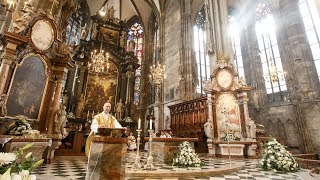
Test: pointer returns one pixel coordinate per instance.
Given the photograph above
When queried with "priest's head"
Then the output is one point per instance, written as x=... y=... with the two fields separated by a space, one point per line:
x=106 y=107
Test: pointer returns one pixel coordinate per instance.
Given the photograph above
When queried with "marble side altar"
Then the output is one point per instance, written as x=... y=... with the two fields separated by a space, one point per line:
x=13 y=143
x=107 y=158
x=236 y=148
x=164 y=149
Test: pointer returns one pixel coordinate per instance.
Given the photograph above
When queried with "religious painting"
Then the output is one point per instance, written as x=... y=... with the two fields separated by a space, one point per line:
x=228 y=115
x=27 y=88
x=101 y=88
x=109 y=35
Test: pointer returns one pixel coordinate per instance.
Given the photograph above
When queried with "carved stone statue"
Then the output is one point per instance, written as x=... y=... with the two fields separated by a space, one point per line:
x=62 y=50
x=242 y=81
x=305 y=91
x=256 y=100
x=60 y=120
x=3 y=108
x=110 y=14
x=94 y=31
x=84 y=33
x=119 y=109
x=80 y=106
x=208 y=129
x=20 y=20
x=132 y=45
x=132 y=145
x=251 y=129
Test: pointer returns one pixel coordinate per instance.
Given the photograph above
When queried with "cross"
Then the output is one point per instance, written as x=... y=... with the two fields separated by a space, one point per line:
x=54 y=2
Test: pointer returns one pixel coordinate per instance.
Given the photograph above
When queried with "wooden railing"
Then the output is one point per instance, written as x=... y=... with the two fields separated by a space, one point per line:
x=188 y=119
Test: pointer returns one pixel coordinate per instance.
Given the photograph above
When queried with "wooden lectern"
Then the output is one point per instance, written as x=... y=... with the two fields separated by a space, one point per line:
x=107 y=155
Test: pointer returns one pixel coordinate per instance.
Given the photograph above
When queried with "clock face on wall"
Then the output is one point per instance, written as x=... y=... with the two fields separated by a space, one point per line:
x=224 y=78
x=42 y=35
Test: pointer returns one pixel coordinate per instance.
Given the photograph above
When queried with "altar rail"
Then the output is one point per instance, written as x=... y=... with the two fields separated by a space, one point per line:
x=188 y=119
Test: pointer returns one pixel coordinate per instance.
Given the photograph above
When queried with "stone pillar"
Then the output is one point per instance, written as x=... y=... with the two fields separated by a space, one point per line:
x=302 y=78
x=186 y=68
x=56 y=101
x=218 y=15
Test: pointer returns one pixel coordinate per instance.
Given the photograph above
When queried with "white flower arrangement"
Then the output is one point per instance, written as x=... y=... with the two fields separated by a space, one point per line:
x=17 y=166
x=186 y=156
x=7 y=158
x=19 y=126
x=276 y=157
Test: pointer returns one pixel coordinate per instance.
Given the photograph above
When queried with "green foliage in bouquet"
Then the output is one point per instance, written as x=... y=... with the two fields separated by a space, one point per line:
x=186 y=156
x=19 y=126
x=18 y=162
x=276 y=157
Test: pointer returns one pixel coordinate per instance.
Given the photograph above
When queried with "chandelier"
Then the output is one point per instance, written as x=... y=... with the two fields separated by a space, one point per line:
x=157 y=75
x=98 y=61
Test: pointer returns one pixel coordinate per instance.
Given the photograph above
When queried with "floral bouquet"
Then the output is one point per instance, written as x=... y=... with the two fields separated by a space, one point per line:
x=186 y=156
x=276 y=157
x=19 y=126
x=17 y=166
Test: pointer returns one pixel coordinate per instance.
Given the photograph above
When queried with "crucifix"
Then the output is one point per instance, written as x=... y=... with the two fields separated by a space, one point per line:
x=54 y=3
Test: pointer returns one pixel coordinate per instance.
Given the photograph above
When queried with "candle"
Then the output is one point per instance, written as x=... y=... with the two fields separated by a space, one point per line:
x=92 y=114
x=139 y=123
x=88 y=115
x=150 y=124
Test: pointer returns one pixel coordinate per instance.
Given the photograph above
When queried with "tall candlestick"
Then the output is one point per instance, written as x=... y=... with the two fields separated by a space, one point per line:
x=150 y=124
x=139 y=123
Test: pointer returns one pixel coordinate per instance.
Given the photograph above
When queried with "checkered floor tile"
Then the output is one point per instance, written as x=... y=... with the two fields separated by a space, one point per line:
x=75 y=168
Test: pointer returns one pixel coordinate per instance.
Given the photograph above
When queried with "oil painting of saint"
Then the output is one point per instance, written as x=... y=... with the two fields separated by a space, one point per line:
x=27 y=88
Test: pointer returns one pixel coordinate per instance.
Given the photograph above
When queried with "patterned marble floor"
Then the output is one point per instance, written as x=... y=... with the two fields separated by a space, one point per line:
x=68 y=168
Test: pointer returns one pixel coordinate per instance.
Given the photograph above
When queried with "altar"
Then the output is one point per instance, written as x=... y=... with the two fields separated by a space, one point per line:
x=38 y=149
x=107 y=155
x=164 y=149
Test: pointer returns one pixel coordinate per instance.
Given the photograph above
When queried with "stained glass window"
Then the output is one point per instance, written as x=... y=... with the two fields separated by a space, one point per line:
x=135 y=34
x=75 y=22
x=269 y=50
x=202 y=59
x=311 y=22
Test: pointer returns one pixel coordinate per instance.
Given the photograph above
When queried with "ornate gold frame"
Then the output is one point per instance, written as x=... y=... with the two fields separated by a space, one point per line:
x=46 y=73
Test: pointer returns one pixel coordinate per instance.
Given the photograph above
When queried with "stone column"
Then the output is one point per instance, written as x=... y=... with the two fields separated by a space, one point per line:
x=186 y=68
x=56 y=101
x=218 y=17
